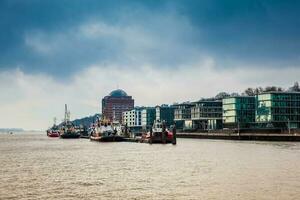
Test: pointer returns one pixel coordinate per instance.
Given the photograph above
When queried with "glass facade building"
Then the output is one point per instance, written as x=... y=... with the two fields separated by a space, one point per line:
x=278 y=110
x=148 y=117
x=165 y=113
x=182 y=115
x=207 y=114
x=238 y=112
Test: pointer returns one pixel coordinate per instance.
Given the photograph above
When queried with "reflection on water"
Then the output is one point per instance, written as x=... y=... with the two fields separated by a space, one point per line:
x=36 y=167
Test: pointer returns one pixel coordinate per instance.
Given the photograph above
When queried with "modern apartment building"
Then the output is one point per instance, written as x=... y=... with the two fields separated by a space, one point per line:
x=278 y=110
x=148 y=117
x=182 y=115
x=165 y=113
x=238 y=112
x=133 y=118
x=207 y=114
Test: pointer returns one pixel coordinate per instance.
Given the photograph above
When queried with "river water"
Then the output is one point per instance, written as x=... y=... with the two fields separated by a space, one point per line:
x=34 y=166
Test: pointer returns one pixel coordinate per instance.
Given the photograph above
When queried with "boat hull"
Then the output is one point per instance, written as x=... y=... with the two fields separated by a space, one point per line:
x=157 y=138
x=53 y=135
x=69 y=135
x=115 y=138
x=154 y=140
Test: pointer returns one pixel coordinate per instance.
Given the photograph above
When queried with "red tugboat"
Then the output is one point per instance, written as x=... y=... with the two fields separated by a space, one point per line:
x=54 y=130
x=53 y=133
x=159 y=134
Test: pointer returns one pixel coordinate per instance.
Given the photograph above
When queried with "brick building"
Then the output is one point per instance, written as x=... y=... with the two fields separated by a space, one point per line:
x=115 y=103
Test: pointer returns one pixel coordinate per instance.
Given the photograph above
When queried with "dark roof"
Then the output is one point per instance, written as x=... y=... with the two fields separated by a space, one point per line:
x=186 y=104
x=239 y=97
x=207 y=101
x=281 y=92
x=118 y=93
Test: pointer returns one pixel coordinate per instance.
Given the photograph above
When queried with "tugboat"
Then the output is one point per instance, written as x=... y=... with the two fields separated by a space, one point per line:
x=53 y=131
x=68 y=129
x=84 y=132
x=159 y=134
x=103 y=131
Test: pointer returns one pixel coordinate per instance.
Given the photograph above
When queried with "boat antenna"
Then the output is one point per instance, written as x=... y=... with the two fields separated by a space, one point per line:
x=67 y=113
x=114 y=117
x=66 y=110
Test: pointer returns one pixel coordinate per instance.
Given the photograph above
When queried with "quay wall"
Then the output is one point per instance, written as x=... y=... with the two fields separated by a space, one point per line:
x=242 y=136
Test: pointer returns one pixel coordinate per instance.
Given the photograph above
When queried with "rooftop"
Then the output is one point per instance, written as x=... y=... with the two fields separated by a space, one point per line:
x=118 y=93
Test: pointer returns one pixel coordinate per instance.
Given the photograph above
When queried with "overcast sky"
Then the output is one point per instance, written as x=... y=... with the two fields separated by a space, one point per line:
x=76 y=52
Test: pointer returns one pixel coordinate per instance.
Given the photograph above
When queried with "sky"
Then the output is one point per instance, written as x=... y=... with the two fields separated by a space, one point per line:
x=163 y=51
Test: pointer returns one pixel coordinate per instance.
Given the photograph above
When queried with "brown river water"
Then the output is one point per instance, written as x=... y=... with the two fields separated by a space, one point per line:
x=34 y=166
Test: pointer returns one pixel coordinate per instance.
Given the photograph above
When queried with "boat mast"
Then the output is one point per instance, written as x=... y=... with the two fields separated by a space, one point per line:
x=114 y=117
x=66 y=110
x=67 y=114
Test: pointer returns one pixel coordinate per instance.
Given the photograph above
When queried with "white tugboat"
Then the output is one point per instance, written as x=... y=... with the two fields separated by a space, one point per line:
x=105 y=132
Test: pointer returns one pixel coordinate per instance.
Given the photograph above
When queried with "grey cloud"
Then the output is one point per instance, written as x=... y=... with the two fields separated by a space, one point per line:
x=45 y=37
x=166 y=41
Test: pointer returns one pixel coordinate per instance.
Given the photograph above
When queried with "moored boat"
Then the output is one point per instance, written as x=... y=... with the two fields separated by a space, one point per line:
x=103 y=131
x=69 y=134
x=84 y=132
x=53 y=133
x=68 y=129
x=159 y=134
x=54 y=130
x=109 y=138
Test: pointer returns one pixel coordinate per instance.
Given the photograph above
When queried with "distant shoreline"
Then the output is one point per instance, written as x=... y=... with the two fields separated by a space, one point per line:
x=15 y=130
x=11 y=130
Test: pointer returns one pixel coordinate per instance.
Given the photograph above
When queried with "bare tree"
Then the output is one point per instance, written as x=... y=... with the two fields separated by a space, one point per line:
x=280 y=89
x=273 y=89
x=249 y=92
x=259 y=90
x=222 y=95
x=234 y=94
x=295 y=87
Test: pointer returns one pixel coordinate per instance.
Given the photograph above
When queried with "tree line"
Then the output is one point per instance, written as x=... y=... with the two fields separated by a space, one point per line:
x=258 y=90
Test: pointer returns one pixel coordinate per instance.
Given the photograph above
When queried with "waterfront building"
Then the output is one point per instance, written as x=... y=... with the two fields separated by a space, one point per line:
x=115 y=103
x=148 y=117
x=165 y=113
x=278 y=110
x=238 y=112
x=182 y=115
x=138 y=116
x=128 y=118
x=133 y=118
x=207 y=115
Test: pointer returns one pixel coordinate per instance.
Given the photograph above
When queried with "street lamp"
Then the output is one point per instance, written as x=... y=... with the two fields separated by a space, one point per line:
x=238 y=124
x=289 y=128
